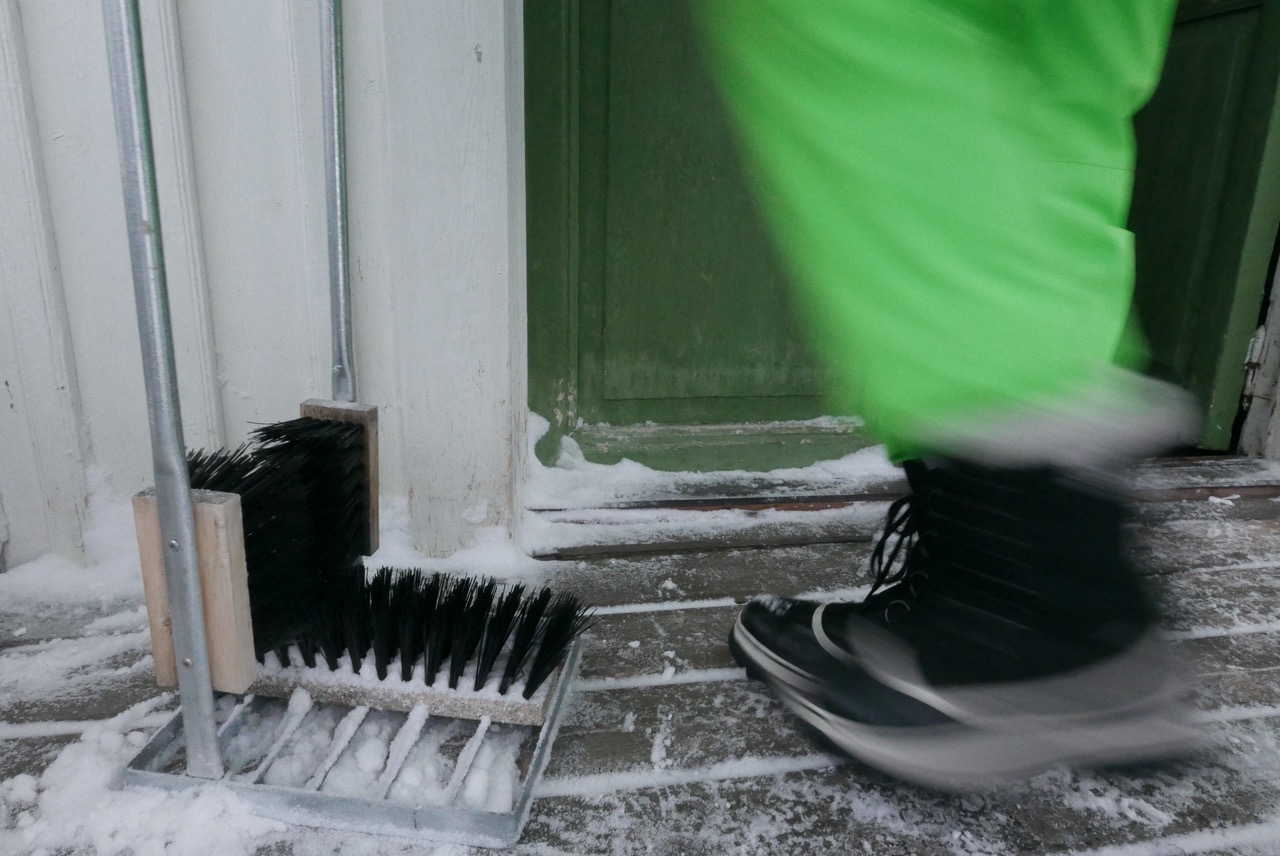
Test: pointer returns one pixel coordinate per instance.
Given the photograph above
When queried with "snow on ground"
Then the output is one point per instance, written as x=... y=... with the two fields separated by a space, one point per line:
x=108 y=573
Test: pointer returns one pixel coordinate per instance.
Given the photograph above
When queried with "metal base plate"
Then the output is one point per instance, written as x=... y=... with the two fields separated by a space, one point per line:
x=449 y=819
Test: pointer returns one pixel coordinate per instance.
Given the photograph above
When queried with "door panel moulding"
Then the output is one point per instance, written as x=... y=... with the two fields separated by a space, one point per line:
x=42 y=412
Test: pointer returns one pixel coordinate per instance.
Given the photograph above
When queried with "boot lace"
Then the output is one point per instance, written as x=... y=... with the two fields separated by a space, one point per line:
x=896 y=557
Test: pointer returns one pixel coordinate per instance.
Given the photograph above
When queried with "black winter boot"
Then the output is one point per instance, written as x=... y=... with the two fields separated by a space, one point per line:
x=1015 y=636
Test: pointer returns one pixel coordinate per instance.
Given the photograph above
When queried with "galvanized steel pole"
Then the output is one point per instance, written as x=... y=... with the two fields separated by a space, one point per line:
x=173 y=487
x=344 y=373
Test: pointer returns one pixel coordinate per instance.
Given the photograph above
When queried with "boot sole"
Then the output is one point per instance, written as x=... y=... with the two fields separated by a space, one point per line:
x=960 y=757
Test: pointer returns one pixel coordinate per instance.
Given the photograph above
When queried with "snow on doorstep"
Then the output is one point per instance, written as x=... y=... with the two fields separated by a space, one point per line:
x=575 y=482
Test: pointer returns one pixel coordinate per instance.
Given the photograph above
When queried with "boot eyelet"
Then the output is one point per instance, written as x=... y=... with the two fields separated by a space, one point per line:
x=892 y=604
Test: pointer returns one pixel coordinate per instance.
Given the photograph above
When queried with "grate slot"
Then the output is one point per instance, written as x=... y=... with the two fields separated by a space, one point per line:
x=465 y=760
x=299 y=706
x=341 y=737
x=400 y=748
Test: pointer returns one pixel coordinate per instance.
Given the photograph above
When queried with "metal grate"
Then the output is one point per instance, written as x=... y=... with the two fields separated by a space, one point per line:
x=262 y=733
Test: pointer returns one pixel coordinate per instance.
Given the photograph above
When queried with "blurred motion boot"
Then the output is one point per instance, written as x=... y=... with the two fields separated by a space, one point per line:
x=1015 y=636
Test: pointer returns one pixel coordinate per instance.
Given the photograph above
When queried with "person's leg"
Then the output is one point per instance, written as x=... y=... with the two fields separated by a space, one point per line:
x=949 y=182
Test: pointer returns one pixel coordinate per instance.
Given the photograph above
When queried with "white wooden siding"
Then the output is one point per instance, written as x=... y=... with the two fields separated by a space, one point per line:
x=434 y=94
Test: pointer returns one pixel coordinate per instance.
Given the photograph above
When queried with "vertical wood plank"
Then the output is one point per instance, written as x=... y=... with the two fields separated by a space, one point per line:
x=155 y=590
x=224 y=588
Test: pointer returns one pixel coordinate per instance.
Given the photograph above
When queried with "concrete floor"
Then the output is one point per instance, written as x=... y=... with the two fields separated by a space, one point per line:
x=668 y=749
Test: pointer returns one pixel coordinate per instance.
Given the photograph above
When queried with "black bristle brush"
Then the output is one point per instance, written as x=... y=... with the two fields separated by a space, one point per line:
x=279 y=539
x=329 y=458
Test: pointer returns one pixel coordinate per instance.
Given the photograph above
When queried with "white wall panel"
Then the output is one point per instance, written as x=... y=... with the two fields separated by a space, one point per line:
x=253 y=90
x=453 y=227
x=42 y=444
x=72 y=97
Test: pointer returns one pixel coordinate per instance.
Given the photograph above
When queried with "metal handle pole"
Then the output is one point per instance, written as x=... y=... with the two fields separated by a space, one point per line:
x=344 y=374
x=173 y=487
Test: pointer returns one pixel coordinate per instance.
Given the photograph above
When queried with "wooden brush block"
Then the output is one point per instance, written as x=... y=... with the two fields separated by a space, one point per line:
x=224 y=588
x=361 y=414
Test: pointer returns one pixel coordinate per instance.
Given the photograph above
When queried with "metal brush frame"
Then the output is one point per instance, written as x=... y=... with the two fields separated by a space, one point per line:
x=194 y=728
x=447 y=824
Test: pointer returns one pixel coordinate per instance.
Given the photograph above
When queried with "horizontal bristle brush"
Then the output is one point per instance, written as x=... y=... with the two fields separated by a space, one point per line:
x=507 y=641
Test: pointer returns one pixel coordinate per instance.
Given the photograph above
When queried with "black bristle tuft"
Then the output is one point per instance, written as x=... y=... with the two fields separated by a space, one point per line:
x=528 y=623
x=468 y=627
x=496 y=631
x=408 y=599
x=307 y=648
x=565 y=619
x=352 y=600
x=384 y=628
x=436 y=621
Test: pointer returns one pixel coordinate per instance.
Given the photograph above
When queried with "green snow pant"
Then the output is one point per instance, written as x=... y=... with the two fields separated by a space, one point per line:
x=949 y=182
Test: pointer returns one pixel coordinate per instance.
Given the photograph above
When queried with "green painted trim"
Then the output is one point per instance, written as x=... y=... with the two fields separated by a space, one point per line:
x=709 y=448
x=550 y=63
x=1249 y=215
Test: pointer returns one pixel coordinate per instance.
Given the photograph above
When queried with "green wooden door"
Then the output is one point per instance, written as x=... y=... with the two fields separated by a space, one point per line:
x=1204 y=209
x=654 y=293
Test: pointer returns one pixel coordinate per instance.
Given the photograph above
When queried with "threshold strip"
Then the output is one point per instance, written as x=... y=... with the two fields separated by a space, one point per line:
x=72 y=728
x=667 y=606
x=1223 y=632
x=663 y=679
x=1264 y=565
x=594 y=784
x=1266 y=832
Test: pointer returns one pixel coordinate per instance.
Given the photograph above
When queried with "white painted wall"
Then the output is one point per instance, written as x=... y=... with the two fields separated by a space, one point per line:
x=434 y=94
